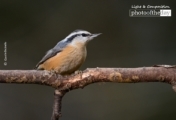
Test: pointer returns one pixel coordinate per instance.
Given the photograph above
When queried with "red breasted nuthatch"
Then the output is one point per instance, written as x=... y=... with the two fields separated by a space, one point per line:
x=69 y=54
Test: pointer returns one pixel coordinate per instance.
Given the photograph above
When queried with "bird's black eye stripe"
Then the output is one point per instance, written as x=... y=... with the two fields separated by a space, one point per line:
x=84 y=35
x=71 y=38
x=75 y=35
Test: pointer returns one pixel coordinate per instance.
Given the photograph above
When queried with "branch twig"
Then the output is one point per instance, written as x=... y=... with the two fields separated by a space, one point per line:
x=57 y=104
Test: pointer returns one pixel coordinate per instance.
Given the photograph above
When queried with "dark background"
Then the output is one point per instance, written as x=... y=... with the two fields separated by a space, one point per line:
x=32 y=27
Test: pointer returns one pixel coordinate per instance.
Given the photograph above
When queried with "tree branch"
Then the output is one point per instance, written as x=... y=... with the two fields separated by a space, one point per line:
x=89 y=76
x=158 y=73
x=57 y=104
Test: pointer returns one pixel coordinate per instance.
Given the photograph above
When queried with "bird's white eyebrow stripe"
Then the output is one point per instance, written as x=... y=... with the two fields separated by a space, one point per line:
x=77 y=33
x=74 y=34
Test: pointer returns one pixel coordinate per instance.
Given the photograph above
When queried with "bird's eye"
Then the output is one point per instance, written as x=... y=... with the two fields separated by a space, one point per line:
x=84 y=35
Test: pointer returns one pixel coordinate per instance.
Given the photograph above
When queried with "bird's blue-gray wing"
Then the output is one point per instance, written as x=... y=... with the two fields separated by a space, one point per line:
x=58 y=48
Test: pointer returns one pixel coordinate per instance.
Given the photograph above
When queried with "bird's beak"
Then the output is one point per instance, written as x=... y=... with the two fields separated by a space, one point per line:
x=95 y=35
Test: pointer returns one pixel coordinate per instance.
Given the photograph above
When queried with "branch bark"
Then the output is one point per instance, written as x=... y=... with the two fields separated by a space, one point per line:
x=63 y=84
x=89 y=76
x=57 y=104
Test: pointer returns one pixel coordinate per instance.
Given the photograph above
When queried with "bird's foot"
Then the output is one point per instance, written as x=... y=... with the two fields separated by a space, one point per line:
x=78 y=72
x=53 y=72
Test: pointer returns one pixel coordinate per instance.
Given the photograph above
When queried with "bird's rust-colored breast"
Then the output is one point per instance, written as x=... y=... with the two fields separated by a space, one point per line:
x=67 y=61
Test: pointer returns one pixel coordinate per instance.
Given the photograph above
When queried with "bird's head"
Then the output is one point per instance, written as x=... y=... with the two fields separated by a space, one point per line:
x=80 y=36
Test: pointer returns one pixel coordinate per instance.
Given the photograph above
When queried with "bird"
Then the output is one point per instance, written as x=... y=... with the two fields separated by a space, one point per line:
x=69 y=54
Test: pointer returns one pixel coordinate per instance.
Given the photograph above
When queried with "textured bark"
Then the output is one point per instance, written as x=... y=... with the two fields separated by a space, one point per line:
x=158 y=73
x=57 y=104
x=89 y=76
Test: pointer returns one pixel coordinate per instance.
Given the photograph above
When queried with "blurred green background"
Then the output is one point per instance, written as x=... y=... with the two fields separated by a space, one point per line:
x=30 y=28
